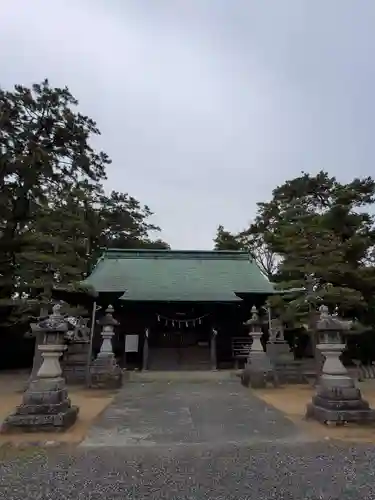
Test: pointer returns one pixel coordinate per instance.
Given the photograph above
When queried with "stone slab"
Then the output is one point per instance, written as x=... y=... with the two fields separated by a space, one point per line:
x=187 y=413
x=325 y=415
x=43 y=409
x=45 y=397
x=345 y=404
x=40 y=422
x=105 y=380
x=339 y=393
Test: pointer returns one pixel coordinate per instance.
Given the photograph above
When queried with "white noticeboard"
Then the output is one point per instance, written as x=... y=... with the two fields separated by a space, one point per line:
x=131 y=343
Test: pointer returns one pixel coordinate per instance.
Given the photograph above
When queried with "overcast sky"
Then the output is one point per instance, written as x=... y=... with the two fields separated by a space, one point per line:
x=206 y=105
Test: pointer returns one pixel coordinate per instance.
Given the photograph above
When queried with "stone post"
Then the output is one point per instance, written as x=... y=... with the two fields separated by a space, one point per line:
x=258 y=370
x=74 y=361
x=105 y=372
x=213 y=351
x=337 y=398
x=45 y=405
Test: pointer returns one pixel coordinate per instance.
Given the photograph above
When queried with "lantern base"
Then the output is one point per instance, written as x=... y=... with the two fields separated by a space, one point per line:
x=45 y=408
x=258 y=372
x=339 y=417
x=105 y=373
x=339 y=406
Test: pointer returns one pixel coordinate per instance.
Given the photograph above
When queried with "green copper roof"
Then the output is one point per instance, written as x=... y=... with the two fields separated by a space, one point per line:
x=175 y=275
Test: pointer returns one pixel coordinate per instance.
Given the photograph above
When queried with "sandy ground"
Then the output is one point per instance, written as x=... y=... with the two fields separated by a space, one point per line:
x=91 y=404
x=292 y=401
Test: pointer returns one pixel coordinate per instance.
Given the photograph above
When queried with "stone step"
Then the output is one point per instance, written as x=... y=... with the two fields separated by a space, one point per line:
x=180 y=375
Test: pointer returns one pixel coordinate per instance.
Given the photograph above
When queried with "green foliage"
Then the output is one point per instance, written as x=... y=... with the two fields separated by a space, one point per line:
x=225 y=240
x=315 y=227
x=54 y=214
x=260 y=250
x=251 y=241
x=321 y=227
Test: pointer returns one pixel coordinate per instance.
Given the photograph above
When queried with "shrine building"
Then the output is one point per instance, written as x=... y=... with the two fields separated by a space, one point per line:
x=178 y=310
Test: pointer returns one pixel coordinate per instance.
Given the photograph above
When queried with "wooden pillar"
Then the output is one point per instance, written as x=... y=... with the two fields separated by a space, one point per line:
x=145 y=351
x=124 y=358
x=213 y=350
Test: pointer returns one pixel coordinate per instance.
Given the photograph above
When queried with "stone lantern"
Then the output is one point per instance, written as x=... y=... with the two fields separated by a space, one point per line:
x=258 y=369
x=45 y=405
x=105 y=372
x=337 y=398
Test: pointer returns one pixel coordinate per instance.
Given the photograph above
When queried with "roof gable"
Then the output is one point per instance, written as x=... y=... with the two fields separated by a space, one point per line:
x=178 y=275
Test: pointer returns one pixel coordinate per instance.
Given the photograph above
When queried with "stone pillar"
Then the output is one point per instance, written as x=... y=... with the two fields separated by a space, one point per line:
x=105 y=372
x=287 y=368
x=45 y=405
x=145 y=351
x=75 y=362
x=75 y=359
x=213 y=350
x=258 y=369
x=39 y=339
x=337 y=398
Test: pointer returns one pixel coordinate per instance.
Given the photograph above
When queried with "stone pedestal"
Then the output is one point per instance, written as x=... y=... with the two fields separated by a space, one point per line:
x=45 y=405
x=105 y=372
x=337 y=398
x=258 y=370
x=279 y=350
x=75 y=362
x=45 y=408
x=289 y=370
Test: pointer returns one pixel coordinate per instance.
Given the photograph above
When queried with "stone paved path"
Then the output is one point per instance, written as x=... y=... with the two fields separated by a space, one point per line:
x=189 y=441
x=186 y=413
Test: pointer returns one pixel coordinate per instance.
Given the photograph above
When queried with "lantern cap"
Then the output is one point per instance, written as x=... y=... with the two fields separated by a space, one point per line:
x=55 y=322
x=254 y=320
x=108 y=319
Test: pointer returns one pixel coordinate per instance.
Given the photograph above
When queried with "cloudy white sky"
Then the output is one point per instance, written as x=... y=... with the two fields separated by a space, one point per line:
x=206 y=105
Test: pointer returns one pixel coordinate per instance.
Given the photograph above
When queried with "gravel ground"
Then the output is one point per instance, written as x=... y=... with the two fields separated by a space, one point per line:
x=280 y=464
x=257 y=472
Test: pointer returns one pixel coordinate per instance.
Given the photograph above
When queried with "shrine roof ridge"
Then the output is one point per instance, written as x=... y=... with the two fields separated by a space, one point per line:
x=146 y=253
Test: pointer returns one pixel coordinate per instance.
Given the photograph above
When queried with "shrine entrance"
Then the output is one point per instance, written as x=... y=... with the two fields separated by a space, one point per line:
x=179 y=349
